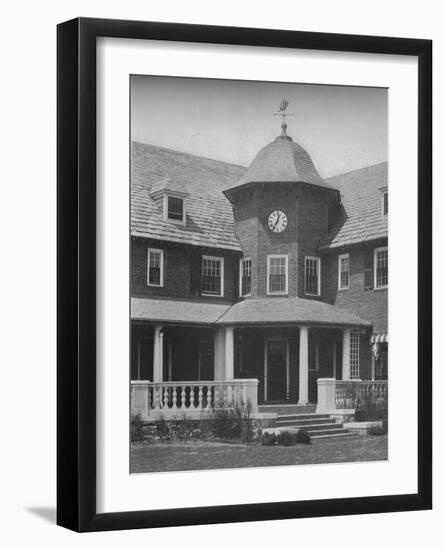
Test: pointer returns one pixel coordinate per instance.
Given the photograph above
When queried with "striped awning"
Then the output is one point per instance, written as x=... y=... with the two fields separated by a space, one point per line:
x=379 y=338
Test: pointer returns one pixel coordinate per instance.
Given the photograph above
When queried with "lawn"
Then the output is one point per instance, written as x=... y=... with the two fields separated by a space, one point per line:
x=201 y=455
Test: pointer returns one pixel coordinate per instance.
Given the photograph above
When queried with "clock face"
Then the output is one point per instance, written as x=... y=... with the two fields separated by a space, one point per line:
x=277 y=221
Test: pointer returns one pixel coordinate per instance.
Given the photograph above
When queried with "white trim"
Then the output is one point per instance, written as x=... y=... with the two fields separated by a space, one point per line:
x=161 y=267
x=341 y=257
x=318 y=260
x=240 y=285
x=376 y=251
x=166 y=196
x=266 y=366
x=222 y=275
x=269 y=258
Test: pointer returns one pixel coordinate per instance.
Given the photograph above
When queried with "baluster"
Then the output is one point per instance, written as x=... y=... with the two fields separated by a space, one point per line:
x=165 y=397
x=174 y=397
x=200 y=397
x=208 y=398
x=229 y=395
x=225 y=396
x=216 y=397
x=156 y=398
x=191 y=397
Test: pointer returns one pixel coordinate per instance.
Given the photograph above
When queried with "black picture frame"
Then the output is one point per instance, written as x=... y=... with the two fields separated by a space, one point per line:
x=76 y=265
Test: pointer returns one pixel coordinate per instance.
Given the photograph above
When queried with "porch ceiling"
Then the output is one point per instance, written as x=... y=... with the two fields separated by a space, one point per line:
x=289 y=310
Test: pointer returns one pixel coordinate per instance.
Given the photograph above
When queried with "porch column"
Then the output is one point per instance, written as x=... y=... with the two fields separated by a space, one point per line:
x=158 y=354
x=229 y=353
x=346 y=355
x=219 y=354
x=303 y=368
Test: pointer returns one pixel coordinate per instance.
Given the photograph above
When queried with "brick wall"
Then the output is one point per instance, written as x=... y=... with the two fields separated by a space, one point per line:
x=307 y=212
x=182 y=271
x=361 y=297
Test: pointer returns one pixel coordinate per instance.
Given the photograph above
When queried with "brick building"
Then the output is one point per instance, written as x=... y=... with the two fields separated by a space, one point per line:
x=267 y=278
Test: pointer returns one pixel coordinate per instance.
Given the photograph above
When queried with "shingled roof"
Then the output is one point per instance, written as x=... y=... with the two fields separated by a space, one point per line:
x=209 y=217
x=360 y=218
x=250 y=311
x=282 y=160
x=210 y=220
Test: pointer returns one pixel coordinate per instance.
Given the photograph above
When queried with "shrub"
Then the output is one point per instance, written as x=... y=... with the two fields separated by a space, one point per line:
x=302 y=436
x=136 y=428
x=287 y=439
x=163 y=428
x=268 y=440
x=184 y=428
x=226 y=423
x=377 y=430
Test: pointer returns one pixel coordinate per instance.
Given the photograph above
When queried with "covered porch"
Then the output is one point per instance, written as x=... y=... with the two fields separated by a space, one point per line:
x=187 y=358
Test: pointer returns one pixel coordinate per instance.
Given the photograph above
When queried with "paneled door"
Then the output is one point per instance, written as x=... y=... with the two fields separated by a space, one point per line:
x=276 y=369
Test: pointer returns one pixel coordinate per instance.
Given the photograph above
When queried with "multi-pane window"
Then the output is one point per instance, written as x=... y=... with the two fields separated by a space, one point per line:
x=381 y=267
x=343 y=271
x=245 y=276
x=175 y=210
x=355 y=354
x=312 y=276
x=385 y=203
x=212 y=275
x=277 y=274
x=155 y=267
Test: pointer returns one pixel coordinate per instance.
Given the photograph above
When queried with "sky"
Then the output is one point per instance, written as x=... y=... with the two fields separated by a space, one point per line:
x=343 y=128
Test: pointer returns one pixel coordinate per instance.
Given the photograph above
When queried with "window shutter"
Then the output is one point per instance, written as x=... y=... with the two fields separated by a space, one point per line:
x=196 y=273
x=235 y=262
x=368 y=267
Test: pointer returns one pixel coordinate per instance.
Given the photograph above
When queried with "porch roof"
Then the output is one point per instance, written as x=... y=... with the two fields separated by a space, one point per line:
x=289 y=310
x=257 y=311
x=176 y=311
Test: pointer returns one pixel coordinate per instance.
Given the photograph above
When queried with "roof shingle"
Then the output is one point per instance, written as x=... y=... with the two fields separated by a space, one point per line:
x=360 y=218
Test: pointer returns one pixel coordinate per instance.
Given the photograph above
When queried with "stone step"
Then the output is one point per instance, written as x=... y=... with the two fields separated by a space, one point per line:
x=335 y=431
x=344 y=433
x=305 y=419
x=284 y=409
x=314 y=428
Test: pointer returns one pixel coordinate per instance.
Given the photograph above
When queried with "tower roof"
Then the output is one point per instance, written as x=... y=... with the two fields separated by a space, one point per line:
x=285 y=161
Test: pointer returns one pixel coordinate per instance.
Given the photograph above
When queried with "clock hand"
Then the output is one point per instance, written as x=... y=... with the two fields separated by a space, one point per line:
x=275 y=224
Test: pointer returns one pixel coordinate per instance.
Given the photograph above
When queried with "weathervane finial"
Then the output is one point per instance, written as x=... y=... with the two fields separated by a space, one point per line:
x=282 y=112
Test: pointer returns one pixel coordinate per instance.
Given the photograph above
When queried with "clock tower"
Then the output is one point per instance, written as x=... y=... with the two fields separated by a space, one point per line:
x=281 y=207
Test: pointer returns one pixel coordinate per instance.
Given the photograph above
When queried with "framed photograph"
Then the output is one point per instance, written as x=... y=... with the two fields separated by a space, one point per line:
x=244 y=274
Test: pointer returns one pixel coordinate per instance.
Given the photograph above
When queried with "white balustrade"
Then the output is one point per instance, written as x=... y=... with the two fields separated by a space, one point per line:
x=174 y=399
x=350 y=394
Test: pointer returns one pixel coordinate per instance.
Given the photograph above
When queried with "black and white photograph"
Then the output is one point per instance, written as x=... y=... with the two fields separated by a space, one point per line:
x=258 y=274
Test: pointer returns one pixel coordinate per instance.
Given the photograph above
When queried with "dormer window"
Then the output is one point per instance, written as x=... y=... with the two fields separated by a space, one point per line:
x=385 y=203
x=170 y=197
x=175 y=209
x=384 y=200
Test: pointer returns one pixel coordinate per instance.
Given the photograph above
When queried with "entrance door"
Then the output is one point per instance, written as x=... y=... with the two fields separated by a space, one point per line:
x=276 y=370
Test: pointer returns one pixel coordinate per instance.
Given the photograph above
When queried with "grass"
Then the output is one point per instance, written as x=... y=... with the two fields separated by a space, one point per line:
x=170 y=457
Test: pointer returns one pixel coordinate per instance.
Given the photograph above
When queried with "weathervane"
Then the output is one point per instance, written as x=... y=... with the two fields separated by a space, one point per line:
x=282 y=112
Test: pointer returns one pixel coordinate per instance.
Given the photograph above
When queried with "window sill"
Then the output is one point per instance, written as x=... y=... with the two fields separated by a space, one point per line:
x=176 y=222
x=211 y=295
x=378 y=288
x=313 y=295
x=341 y=289
x=154 y=286
x=277 y=294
